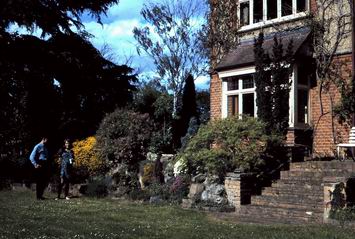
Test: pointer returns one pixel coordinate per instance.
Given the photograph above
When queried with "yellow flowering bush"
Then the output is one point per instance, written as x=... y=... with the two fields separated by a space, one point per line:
x=86 y=158
x=148 y=174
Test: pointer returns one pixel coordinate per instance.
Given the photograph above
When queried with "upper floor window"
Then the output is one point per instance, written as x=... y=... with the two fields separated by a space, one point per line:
x=255 y=11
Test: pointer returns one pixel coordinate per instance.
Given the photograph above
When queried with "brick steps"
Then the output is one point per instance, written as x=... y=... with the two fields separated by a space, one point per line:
x=270 y=214
x=297 y=197
x=297 y=184
x=322 y=166
x=289 y=204
x=280 y=189
x=310 y=175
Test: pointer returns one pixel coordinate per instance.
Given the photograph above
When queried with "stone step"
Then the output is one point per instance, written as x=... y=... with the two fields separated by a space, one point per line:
x=292 y=199
x=298 y=185
x=281 y=215
x=296 y=182
x=287 y=203
x=323 y=165
x=312 y=175
x=312 y=190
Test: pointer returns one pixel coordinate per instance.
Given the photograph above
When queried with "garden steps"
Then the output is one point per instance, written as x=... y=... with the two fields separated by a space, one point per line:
x=306 y=175
x=297 y=197
x=272 y=214
x=277 y=191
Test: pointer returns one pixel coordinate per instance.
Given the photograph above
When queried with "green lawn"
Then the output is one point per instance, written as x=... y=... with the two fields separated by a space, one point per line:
x=21 y=216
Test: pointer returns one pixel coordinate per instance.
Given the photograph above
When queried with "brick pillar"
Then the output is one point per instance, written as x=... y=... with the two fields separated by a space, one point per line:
x=216 y=97
x=238 y=187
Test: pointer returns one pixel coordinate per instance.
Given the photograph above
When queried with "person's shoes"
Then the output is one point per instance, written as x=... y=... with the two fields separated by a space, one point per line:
x=57 y=198
x=40 y=198
x=67 y=198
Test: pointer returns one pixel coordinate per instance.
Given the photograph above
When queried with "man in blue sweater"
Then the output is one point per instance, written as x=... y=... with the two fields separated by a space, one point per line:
x=39 y=159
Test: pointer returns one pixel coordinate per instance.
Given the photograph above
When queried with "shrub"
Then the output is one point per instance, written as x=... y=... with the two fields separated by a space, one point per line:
x=179 y=188
x=86 y=163
x=227 y=144
x=148 y=174
x=123 y=138
x=98 y=187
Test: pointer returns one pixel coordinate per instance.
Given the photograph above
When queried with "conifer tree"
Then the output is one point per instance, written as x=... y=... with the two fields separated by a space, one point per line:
x=272 y=81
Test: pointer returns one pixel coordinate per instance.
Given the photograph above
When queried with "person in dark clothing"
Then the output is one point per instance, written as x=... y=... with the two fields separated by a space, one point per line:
x=39 y=159
x=66 y=157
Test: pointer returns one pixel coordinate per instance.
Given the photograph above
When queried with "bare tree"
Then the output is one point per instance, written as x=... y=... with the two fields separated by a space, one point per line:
x=171 y=38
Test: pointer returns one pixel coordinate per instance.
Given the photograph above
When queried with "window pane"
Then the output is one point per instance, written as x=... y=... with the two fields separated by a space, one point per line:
x=271 y=9
x=248 y=82
x=258 y=11
x=301 y=5
x=286 y=6
x=302 y=75
x=248 y=104
x=302 y=108
x=244 y=13
x=232 y=83
x=233 y=105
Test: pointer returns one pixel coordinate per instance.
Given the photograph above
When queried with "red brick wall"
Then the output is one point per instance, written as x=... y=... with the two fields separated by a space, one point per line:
x=324 y=144
x=216 y=97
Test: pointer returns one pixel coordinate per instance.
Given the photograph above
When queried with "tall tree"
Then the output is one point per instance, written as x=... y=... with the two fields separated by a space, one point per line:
x=173 y=41
x=187 y=112
x=60 y=77
x=272 y=80
x=262 y=81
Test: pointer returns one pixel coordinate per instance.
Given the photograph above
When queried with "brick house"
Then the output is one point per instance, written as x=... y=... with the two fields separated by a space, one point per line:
x=232 y=86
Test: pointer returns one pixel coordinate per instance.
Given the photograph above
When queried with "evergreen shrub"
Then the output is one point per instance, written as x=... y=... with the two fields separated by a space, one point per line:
x=123 y=138
x=227 y=144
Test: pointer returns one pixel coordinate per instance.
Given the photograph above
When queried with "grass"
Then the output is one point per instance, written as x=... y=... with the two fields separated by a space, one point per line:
x=21 y=216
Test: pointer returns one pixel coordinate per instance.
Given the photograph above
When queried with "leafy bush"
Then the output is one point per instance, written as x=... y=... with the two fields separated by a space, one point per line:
x=343 y=215
x=122 y=177
x=227 y=144
x=179 y=188
x=123 y=138
x=86 y=163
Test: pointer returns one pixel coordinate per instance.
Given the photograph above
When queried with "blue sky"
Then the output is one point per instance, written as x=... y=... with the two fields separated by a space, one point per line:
x=116 y=32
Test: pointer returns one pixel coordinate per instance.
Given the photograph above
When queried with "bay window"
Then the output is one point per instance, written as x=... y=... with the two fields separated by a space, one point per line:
x=239 y=95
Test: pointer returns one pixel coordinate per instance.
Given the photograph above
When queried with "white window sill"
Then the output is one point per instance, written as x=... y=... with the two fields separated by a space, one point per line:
x=273 y=22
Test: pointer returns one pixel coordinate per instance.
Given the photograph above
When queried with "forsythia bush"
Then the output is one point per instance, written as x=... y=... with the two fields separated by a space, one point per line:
x=148 y=174
x=86 y=158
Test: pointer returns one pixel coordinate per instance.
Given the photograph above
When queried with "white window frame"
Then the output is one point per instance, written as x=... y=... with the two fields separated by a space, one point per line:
x=298 y=86
x=293 y=101
x=295 y=15
x=240 y=92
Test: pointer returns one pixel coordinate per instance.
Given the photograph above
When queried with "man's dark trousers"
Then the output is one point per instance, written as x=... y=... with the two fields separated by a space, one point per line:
x=41 y=178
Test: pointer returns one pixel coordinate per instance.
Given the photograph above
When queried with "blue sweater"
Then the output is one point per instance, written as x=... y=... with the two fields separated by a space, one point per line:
x=39 y=153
